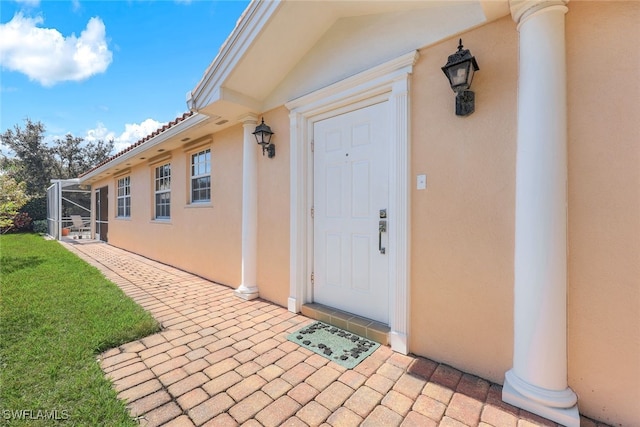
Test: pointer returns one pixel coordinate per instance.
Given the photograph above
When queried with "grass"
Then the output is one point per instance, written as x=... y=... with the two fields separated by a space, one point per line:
x=56 y=314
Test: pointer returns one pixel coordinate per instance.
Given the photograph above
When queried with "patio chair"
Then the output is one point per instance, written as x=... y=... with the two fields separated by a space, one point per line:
x=79 y=226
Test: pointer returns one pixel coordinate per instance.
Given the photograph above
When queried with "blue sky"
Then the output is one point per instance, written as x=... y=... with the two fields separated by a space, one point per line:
x=106 y=69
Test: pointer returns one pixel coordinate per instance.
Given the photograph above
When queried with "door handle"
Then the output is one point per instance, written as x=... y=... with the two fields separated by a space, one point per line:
x=382 y=228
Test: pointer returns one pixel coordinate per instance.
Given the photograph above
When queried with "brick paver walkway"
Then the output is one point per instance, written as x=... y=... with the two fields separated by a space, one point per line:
x=223 y=361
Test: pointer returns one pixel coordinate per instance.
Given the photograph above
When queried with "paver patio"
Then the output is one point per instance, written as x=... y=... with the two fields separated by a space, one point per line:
x=223 y=361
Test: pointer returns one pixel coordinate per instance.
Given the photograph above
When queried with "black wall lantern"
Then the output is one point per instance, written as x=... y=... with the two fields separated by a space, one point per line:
x=459 y=69
x=263 y=137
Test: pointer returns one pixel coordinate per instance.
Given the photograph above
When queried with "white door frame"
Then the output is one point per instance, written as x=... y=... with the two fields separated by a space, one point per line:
x=94 y=220
x=386 y=82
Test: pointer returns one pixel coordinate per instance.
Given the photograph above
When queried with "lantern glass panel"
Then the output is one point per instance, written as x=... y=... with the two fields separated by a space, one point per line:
x=460 y=75
x=472 y=72
x=266 y=137
x=263 y=134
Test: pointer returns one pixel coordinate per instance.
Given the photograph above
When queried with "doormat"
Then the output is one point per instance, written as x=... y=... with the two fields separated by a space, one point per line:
x=335 y=344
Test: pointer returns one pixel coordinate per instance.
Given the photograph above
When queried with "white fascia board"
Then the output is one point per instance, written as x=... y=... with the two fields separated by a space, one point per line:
x=71 y=181
x=246 y=31
x=168 y=134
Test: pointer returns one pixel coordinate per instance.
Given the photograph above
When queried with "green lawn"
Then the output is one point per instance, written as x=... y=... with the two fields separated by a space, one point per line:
x=56 y=314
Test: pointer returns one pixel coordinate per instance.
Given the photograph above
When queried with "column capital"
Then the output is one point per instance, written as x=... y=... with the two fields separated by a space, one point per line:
x=521 y=9
x=248 y=119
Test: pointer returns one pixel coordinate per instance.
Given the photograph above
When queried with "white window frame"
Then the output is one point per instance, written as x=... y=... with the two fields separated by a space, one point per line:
x=194 y=176
x=123 y=186
x=160 y=189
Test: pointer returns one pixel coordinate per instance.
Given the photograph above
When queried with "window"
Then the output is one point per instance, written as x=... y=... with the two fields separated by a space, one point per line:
x=201 y=176
x=124 y=197
x=163 y=191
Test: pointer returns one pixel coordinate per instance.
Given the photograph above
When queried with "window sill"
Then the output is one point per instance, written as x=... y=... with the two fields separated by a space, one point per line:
x=198 y=205
x=162 y=221
x=123 y=218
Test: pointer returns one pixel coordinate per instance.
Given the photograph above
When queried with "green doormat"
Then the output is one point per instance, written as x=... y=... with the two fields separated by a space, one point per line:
x=338 y=345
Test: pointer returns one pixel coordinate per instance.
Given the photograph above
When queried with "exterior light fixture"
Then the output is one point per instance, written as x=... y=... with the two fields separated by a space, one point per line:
x=459 y=69
x=263 y=135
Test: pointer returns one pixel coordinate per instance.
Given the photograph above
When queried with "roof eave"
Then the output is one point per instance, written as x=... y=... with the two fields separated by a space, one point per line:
x=247 y=29
x=135 y=152
x=261 y=42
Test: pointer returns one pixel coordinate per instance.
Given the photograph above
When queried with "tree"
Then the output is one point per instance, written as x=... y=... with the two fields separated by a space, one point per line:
x=71 y=157
x=32 y=161
x=13 y=196
x=35 y=163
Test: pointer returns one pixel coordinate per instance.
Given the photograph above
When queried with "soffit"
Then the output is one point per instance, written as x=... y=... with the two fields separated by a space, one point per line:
x=274 y=39
x=293 y=30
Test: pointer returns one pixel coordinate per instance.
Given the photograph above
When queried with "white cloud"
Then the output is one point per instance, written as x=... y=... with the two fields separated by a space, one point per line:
x=99 y=132
x=132 y=133
x=45 y=55
x=30 y=3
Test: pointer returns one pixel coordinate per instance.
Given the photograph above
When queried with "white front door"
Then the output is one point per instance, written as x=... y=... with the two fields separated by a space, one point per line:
x=351 y=198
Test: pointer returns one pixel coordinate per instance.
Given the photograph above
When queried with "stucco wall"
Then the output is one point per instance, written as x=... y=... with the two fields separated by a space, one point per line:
x=273 y=212
x=604 y=208
x=463 y=223
x=206 y=240
x=462 y=248
x=202 y=240
x=461 y=309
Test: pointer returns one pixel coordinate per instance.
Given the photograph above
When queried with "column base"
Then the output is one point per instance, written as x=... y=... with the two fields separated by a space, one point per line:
x=246 y=294
x=398 y=342
x=292 y=305
x=567 y=416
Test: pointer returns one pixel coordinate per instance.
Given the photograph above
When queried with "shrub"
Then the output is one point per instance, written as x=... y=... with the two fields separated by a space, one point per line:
x=40 y=226
x=12 y=198
x=22 y=222
x=36 y=208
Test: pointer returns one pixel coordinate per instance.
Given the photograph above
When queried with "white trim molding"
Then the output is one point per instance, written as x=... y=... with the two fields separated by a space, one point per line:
x=538 y=380
x=387 y=82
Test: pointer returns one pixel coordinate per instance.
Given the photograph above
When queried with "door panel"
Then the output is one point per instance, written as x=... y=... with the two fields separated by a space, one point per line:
x=102 y=213
x=360 y=189
x=351 y=186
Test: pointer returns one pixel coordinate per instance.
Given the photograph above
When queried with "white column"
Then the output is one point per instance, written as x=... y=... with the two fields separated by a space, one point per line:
x=248 y=289
x=538 y=380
